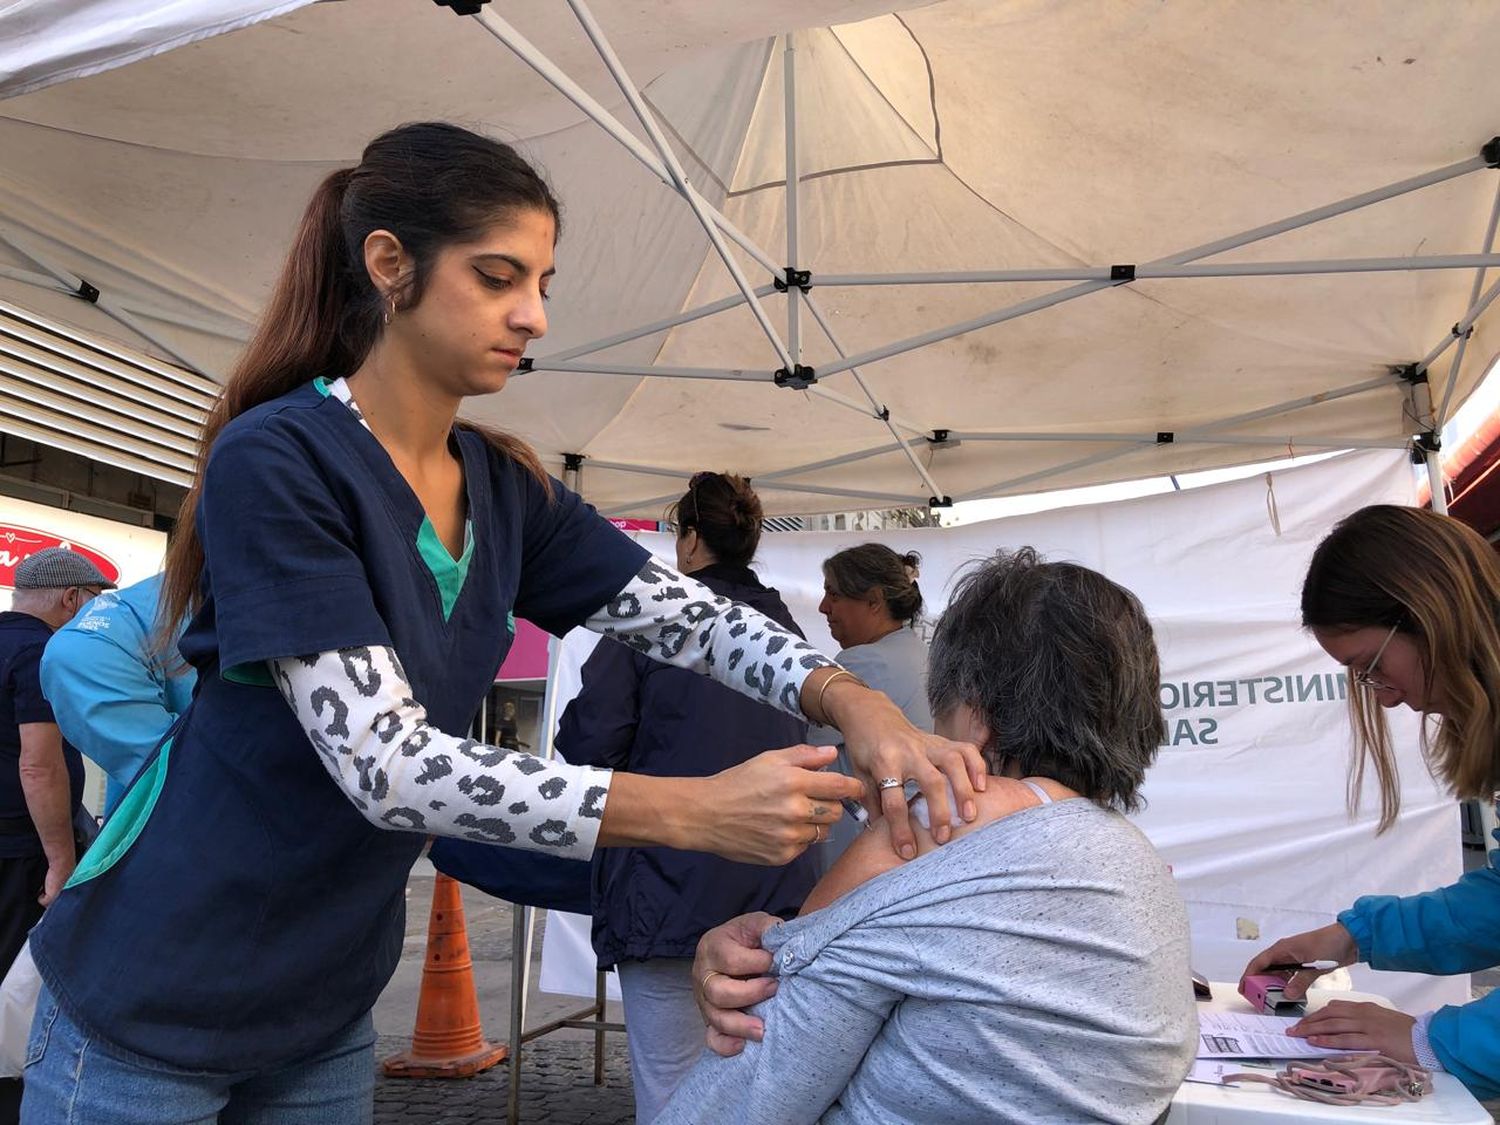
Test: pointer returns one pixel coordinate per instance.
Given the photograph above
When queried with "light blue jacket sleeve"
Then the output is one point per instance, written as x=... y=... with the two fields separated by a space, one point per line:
x=1455 y=929
x=112 y=701
x=818 y=1027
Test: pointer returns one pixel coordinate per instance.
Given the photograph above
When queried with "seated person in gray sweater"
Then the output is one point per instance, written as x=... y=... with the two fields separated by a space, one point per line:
x=1035 y=968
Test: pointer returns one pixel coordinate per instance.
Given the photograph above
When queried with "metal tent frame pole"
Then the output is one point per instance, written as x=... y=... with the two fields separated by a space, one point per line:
x=1463 y=341
x=1206 y=250
x=1168 y=272
x=1091 y=279
x=81 y=289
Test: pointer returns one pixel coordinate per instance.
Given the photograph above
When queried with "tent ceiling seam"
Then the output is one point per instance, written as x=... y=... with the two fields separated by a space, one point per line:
x=937 y=120
x=936 y=150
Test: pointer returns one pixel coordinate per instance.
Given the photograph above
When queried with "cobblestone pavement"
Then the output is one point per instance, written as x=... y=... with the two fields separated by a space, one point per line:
x=557 y=1071
x=557 y=1087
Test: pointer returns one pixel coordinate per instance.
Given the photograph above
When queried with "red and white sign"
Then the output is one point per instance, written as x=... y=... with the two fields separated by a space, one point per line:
x=19 y=543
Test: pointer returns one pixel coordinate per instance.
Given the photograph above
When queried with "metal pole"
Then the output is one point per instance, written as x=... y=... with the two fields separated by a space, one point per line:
x=1159 y=272
x=1474 y=290
x=74 y=283
x=793 y=185
x=642 y=470
x=604 y=367
x=1042 y=474
x=1461 y=329
x=520 y=962
x=879 y=409
x=601 y=996
x=1421 y=402
x=656 y=326
x=1046 y=301
x=874 y=410
x=674 y=168
x=554 y=75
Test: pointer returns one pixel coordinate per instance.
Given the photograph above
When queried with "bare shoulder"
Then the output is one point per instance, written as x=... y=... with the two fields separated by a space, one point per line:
x=872 y=854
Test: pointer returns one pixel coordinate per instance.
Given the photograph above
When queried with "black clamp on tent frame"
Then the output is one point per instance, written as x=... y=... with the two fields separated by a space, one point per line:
x=462 y=7
x=940 y=501
x=1122 y=274
x=86 y=292
x=1410 y=373
x=799 y=378
x=1491 y=152
x=801 y=279
x=1165 y=437
x=572 y=462
x=938 y=437
x=1429 y=441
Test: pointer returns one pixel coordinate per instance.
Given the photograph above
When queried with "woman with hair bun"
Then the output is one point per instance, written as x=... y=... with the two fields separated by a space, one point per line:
x=651 y=905
x=873 y=603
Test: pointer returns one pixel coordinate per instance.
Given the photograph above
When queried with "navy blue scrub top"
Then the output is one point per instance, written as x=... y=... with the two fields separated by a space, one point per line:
x=238 y=911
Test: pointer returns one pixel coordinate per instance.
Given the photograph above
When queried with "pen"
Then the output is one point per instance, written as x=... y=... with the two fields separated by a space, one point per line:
x=855 y=810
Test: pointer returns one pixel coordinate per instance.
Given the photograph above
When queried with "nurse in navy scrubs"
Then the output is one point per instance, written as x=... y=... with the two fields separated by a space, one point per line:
x=348 y=555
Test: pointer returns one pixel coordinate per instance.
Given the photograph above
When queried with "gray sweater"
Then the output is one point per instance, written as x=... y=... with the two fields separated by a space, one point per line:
x=1035 y=970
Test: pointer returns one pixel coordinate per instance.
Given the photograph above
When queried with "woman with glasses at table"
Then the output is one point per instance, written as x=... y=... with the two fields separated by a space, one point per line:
x=634 y=714
x=1407 y=600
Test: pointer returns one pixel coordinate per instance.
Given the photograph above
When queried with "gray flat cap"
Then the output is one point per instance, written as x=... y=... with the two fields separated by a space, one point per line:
x=56 y=568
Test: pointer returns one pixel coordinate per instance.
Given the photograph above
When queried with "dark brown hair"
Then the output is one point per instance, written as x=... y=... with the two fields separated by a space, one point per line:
x=725 y=512
x=1061 y=663
x=431 y=185
x=1437 y=581
x=855 y=571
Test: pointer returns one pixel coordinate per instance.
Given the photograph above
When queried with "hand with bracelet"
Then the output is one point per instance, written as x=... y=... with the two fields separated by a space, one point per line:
x=887 y=751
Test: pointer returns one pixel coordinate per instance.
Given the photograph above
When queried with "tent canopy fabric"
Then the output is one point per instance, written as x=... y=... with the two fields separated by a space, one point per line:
x=1044 y=139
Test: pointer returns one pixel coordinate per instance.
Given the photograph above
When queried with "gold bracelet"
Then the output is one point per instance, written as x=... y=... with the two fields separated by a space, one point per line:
x=822 y=691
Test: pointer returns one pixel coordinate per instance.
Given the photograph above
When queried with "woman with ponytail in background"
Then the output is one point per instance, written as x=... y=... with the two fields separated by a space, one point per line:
x=651 y=905
x=872 y=603
x=346 y=559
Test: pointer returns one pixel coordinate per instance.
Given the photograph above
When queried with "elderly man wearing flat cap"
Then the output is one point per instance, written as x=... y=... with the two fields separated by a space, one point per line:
x=41 y=776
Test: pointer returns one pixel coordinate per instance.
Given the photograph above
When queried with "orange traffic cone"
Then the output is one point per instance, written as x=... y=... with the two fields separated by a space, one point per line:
x=448 y=1041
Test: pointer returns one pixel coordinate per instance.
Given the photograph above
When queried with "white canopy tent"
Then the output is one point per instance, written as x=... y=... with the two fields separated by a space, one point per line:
x=1044 y=242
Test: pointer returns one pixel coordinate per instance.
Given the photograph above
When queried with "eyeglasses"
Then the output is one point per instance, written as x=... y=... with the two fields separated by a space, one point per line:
x=693 y=483
x=1367 y=679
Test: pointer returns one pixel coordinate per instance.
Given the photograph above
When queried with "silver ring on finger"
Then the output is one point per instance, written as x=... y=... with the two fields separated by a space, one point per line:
x=889 y=783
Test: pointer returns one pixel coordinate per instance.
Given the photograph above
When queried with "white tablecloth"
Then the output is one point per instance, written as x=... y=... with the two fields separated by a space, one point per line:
x=1200 y=1104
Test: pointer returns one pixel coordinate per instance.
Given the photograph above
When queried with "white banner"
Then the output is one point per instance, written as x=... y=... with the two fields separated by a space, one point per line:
x=1247 y=799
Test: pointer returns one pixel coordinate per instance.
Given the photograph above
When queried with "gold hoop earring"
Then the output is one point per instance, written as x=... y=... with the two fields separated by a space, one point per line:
x=390 y=309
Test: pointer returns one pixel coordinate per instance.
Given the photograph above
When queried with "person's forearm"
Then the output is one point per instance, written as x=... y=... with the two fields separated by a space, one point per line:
x=643 y=811
x=676 y=620
x=44 y=783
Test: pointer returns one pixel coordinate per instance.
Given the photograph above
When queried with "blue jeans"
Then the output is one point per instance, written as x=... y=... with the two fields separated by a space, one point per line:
x=75 y=1078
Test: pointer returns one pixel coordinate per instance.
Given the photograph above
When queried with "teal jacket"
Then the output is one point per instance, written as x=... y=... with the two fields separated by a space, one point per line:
x=1452 y=930
x=112 y=697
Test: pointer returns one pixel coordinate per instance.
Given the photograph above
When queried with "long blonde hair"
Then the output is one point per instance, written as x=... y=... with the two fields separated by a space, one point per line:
x=1436 y=580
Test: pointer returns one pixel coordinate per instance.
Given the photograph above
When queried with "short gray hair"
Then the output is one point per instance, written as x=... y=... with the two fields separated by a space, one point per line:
x=1061 y=664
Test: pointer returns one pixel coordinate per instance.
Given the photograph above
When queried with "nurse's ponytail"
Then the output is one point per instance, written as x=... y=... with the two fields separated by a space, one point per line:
x=430 y=184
